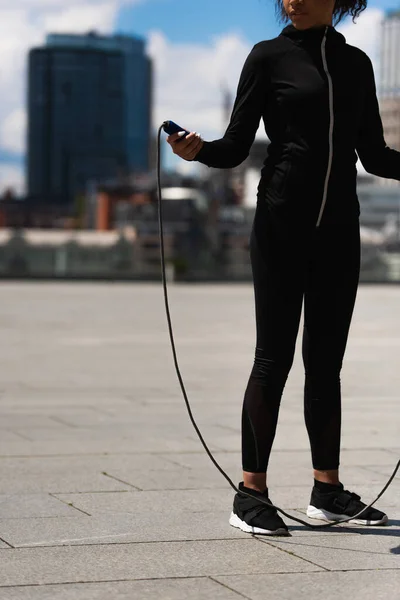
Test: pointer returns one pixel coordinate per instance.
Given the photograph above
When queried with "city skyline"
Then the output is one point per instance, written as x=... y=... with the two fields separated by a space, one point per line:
x=209 y=53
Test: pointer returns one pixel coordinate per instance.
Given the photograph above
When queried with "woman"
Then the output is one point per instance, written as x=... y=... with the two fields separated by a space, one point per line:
x=316 y=95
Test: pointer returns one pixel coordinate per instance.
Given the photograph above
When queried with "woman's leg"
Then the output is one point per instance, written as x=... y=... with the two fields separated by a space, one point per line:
x=278 y=275
x=331 y=289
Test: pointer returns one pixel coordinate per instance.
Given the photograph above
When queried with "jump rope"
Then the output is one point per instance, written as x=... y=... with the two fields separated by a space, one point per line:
x=170 y=127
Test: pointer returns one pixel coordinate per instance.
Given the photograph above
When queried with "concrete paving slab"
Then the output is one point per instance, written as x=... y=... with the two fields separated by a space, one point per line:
x=132 y=418
x=193 y=588
x=210 y=478
x=385 y=470
x=374 y=585
x=16 y=506
x=121 y=527
x=152 y=441
x=141 y=526
x=93 y=376
x=280 y=475
x=199 y=500
x=26 y=420
x=29 y=566
x=58 y=398
x=286 y=459
x=395 y=451
x=82 y=446
x=10 y=436
x=350 y=552
x=134 y=462
x=183 y=479
x=24 y=476
x=182 y=502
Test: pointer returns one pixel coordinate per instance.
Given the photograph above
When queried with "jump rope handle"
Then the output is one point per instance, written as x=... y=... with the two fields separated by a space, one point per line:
x=170 y=127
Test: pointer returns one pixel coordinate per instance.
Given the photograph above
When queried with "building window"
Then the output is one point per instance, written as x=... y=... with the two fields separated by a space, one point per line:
x=98 y=131
x=66 y=91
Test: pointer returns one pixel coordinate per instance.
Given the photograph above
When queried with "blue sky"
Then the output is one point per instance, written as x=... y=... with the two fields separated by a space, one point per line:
x=254 y=19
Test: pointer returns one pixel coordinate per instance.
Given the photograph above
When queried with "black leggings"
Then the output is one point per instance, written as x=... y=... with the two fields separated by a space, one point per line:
x=290 y=261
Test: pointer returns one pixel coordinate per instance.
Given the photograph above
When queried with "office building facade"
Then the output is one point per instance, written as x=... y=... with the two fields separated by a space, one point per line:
x=89 y=114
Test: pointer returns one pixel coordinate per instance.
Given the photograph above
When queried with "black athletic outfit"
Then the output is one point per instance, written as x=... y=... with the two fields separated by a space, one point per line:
x=316 y=95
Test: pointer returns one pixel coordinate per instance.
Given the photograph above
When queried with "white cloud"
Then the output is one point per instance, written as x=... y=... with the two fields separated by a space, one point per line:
x=188 y=79
x=11 y=176
x=365 y=34
x=12 y=131
x=80 y=18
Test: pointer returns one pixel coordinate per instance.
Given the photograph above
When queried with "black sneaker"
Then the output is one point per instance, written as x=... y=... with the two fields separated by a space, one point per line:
x=252 y=516
x=341 y=504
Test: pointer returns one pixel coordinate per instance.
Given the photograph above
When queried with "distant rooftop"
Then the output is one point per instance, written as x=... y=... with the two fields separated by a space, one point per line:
x=93 y=39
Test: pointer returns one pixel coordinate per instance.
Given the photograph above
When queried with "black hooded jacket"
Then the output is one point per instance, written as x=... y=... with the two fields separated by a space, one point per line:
x=317 y=97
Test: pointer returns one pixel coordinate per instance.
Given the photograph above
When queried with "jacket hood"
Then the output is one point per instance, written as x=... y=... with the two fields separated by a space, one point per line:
x=313 y=34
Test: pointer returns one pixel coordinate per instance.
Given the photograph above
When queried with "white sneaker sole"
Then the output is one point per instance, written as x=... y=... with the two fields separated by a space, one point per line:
x=236 y=522
x=325 y=515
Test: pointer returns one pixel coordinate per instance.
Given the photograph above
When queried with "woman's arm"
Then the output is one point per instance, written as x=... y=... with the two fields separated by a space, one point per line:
x=376 y=157
x=234 y=147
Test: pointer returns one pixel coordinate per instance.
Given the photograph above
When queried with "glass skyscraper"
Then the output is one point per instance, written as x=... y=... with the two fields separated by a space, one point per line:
x=89 y=113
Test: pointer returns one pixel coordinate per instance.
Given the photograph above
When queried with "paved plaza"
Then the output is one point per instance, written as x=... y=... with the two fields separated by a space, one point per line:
x=106 y=489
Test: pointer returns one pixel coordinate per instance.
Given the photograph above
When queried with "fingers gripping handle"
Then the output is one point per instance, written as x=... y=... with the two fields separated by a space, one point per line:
x=171 y=127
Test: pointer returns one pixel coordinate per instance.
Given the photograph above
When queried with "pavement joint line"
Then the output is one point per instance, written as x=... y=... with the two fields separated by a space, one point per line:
x=48 y=544
x=60 y=543
x=226 y=586
x=15 y=432
x=178 y=464
x=97 y=581
x=8 y=544
x=374 y=469
x=329 y=547
x=60 y=420
x=69 y=504
x=307 y=573
x=138 y=489
x=271 y=543
x=98 y=409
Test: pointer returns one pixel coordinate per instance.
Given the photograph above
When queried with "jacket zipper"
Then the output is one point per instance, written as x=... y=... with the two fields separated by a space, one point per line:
x=332 y=119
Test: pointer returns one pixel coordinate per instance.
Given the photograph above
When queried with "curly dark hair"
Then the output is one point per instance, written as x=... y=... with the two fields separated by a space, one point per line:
x=341 y=10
